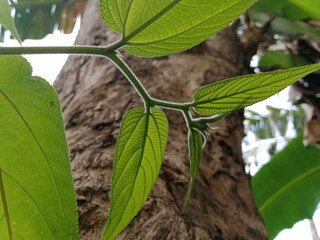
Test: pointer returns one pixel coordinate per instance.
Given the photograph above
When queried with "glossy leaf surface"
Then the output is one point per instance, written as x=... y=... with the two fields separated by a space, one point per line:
x=286 y=190
x=37 y=185
x=195 y=144
x=6 y=19
x=160 y=27
x=139 y=154
x=238 y=92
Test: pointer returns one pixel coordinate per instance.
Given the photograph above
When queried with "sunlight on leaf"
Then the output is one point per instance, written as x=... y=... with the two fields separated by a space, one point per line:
x=156 y=28
x=286 y=190
x=238 y=92
x=7 y=20
x=139 y=155
x=34 y=162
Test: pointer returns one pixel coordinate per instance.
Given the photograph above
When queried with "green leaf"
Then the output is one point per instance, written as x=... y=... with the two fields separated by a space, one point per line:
x=310 y=6
x=285 y=8
x=139 y=154
x=280 y=59
x=155 y=28
x=7 y=20
x=195 y=144
x=286 y=190
x=35 y=169
x=243 y=91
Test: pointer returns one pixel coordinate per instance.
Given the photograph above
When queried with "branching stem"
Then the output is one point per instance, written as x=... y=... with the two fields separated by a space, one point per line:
x=109 y=52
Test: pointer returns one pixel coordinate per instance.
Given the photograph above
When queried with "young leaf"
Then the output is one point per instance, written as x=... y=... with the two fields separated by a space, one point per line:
x=195 y=143
x=7 y=20
x=286 y=190
x=38 y=200
x=160 y=27
x=243 y=91
x=139 y=154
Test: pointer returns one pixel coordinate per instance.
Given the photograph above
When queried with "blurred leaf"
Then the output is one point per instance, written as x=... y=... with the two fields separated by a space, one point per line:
x=6 y=19
x=156 y=28
x=139 y=154
x=285 y=26
x=195 y=144
x=310 y=6
x=36 y=181
x=286 y=190
x=299 y=119
x=238 y=92
x=280 y=119
x=260 y=125
x=284 y=8
x=280 y=59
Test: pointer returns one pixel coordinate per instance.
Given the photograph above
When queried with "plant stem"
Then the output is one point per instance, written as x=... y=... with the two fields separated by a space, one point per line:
x=109 y=52
x=148 y=100
x=91 y=50
x=116 y=59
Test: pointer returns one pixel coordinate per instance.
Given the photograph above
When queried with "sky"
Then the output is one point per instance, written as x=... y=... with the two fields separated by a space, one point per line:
x=48 y=67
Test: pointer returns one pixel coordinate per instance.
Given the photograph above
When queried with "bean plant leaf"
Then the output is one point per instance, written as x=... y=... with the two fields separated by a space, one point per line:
x=160 y=27
x=286 y=190
x=139 y=154
x=37 y=195
x=242 y=91
x=6 y=19
x=195 y=144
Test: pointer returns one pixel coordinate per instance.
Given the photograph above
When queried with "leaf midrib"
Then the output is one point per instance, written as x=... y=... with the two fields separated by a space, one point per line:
x=145 y=133
x=196 y=103
x=186 y=30
x=286 y=187
x=147 y=23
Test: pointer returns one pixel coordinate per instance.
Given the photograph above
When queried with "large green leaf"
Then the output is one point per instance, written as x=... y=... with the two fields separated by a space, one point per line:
x=195 y=143
x=7 y=20
x=243 y=91
x=286 y=189
x=139 y=154
x=161 y=27
x=36 y=183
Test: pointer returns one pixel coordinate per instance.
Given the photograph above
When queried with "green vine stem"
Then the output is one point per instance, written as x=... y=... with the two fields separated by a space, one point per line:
x=108 y=52
x=111 y=53
x=116 y=58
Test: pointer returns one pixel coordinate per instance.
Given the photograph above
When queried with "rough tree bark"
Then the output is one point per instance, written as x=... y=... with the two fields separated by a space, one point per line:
x=95 y=96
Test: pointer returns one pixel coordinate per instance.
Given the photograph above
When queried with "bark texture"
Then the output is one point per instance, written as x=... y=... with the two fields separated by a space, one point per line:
x=95 y=96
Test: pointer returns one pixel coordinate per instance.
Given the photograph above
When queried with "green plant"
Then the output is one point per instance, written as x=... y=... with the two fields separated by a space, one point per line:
x=156 y=29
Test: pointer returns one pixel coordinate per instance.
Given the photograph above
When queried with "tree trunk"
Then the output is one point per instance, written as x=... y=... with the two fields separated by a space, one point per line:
x=95 y=96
